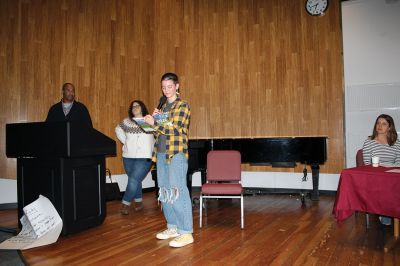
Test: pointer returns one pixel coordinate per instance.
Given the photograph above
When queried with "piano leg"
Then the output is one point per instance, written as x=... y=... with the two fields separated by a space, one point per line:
x=303 y=199
x=195 y=200
x=189 y=178
x=315 y=181
x=154 y=177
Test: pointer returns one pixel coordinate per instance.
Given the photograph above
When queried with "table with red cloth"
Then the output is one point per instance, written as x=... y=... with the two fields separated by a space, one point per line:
x=369 y=189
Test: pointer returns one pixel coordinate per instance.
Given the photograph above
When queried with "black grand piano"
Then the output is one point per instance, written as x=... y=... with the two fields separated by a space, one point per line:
x=274 y=151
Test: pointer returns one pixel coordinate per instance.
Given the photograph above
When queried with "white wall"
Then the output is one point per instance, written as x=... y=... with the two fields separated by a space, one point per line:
x=281 y=180
x=123 y=180
x=8 y=187
x=257 y=180
x=371 y=46
x=8 y=191
x=371 y=37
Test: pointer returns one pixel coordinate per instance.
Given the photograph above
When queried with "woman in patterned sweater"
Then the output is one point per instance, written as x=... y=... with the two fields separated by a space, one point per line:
x=136 y=154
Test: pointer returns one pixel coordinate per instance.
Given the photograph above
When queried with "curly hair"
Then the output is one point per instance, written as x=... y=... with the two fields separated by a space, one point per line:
x=142 y=106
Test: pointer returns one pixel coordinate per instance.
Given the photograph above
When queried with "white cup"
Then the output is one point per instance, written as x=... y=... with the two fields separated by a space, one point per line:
x=375 y=161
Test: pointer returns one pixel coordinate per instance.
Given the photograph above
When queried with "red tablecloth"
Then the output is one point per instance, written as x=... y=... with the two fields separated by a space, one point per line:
x=368 y=189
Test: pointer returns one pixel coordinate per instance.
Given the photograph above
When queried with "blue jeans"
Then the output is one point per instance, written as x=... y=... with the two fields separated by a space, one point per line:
x=173 y=193
x=136 y=169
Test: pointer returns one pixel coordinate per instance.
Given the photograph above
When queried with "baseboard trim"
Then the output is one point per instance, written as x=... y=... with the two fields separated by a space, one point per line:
x=260 y=191
x=149 y=189
x=8 y=206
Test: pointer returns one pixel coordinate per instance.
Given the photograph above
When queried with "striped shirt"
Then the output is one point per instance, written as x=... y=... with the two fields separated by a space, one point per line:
x=387 y=154
x=176 y=132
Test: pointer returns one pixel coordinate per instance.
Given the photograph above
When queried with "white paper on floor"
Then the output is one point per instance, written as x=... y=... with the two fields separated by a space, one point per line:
x=41 y=225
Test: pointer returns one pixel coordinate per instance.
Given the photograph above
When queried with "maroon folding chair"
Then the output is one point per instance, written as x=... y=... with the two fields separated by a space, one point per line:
x=223 y=179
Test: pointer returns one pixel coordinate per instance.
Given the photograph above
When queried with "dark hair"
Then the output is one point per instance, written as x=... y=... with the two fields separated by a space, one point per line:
x=392 y=134
x=142 y=106
x=64 y=86
x=170 y=76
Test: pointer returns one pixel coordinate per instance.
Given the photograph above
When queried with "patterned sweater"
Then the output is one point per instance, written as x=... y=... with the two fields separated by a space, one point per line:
x=136 y=142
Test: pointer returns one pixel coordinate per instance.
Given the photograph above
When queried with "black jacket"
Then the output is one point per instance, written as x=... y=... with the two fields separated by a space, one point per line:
x=78 y=113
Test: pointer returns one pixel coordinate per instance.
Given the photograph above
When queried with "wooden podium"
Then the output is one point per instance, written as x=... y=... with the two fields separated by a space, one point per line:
x=65 y=162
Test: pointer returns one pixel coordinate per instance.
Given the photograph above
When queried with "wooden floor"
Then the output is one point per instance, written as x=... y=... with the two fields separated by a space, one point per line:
x=278 y=231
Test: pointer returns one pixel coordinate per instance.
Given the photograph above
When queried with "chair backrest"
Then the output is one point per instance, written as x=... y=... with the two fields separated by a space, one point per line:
x=359 y=158
x=224 y=165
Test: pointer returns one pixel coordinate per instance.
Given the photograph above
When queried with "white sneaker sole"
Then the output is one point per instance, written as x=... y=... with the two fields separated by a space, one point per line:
x=179 y=245
x=164 y=237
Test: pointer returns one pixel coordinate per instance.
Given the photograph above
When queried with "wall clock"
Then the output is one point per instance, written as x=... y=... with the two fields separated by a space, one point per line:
x=316 y=7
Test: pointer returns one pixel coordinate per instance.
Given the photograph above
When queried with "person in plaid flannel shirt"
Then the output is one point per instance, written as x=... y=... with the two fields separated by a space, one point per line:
x=171 y=155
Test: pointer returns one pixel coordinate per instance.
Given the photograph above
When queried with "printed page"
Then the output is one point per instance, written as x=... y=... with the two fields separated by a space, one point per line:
x=161 y=119
x=41 y=225
x=146 y=127
x=25 y=238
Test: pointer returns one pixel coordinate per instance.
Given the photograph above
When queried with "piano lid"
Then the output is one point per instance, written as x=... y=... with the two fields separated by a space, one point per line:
x=278 y=151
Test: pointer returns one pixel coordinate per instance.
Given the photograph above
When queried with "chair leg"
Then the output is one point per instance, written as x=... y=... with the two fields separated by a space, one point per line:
x=201 y=208
x=241 y=212
x=205 y=207
x=367 y=220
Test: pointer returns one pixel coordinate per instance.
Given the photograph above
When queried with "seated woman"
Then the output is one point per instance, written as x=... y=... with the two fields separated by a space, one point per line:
x=384 y=144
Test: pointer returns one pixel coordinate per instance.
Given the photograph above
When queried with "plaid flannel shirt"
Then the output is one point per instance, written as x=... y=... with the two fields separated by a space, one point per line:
x=176 y=131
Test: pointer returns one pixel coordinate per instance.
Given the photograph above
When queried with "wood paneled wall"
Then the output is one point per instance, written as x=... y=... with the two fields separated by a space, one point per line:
x=103 y=47
x=248 y=68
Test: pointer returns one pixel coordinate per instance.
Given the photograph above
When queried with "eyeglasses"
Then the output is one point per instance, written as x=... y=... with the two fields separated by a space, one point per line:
x=135 y=106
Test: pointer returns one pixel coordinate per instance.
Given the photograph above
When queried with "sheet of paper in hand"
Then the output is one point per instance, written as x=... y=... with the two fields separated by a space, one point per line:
x=146 y=127
x=160 y=119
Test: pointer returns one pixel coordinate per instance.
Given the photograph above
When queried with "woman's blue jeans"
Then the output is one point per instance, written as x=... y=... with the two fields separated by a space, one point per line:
x=136 y=169
x=173 y=193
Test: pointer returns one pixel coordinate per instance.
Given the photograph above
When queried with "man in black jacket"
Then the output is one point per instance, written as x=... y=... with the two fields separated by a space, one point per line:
x=68 y=109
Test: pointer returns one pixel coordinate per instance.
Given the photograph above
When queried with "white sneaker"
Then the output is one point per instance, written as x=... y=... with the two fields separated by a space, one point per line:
x=181 y=241
x=385 y=220
x=169 y=233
